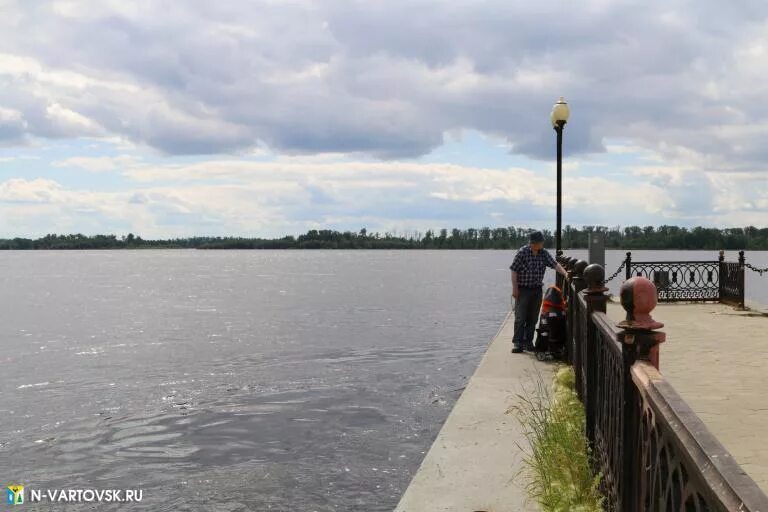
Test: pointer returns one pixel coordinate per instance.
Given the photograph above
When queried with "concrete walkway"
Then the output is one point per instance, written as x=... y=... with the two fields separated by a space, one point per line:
x=717 y=360
x=475 y=462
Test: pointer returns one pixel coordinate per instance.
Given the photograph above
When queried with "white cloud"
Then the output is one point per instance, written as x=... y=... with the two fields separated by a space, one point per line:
x=328 y=87
x=290 y=195
x=97 y=164
x=352 y=77
x=19 y=190
x=68 y=120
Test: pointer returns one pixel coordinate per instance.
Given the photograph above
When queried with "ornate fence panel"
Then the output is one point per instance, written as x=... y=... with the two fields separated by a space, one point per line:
x=693 y=280
x=582 y=336
x=679 y=464
x=687 y=280
x=608 y=412
x=654 y=454
x=731 y=283
x=681 y=280
x=575 y=342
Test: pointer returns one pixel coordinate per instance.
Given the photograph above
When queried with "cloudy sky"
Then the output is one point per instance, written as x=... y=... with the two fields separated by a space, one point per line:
x=264 y=118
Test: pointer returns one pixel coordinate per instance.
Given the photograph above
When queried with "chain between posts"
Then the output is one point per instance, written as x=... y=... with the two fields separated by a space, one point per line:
x=624 y=263
x=618 y=271
x=758 y=270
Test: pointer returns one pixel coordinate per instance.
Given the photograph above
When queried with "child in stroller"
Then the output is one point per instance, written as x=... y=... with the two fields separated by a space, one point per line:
x=550 y=342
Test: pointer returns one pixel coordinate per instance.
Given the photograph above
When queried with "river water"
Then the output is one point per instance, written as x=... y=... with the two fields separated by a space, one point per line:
x=241 y=380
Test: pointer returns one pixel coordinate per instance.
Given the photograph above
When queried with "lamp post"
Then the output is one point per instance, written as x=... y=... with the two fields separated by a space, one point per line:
x=559 y=117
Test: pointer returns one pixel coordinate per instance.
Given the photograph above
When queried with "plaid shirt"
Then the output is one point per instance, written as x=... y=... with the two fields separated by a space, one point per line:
x=530 y=267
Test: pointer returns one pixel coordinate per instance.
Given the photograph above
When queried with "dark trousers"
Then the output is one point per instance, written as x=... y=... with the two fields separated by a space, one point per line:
x=527 y=308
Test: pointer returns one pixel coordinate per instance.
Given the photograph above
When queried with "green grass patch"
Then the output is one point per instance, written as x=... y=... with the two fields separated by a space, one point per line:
x=557 y=462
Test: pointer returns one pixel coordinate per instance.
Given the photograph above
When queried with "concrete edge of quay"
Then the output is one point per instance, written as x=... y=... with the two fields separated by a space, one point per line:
x=476 y=463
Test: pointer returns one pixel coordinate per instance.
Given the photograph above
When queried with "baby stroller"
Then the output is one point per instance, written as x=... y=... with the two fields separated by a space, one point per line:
x=550 y=342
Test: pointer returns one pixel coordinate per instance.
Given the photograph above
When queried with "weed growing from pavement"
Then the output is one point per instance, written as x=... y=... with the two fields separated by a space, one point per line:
x=557 y=462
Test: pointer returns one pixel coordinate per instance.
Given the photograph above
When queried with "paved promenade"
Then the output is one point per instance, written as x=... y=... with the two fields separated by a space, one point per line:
x=473 y=463
x=717 y=360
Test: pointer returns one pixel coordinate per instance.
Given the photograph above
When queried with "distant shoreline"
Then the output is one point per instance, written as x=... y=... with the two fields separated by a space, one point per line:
x=501 y=238
x=411 y=249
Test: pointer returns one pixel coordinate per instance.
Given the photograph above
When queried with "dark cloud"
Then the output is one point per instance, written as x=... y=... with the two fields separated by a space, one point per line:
x=389 y=78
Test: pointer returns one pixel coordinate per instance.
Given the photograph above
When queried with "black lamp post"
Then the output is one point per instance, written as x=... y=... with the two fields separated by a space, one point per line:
x=559 y=117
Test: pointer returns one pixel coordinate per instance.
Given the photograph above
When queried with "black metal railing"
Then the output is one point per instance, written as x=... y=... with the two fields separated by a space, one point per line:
x=716 y=280
x=653 y=452
x=732 y=280
x=678 y=464
x=681 y=280
x=607 y=438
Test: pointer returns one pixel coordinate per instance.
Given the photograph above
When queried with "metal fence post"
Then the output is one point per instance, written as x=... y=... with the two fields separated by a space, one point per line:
x=720 y=275
x=628 y=269
x=741 y=279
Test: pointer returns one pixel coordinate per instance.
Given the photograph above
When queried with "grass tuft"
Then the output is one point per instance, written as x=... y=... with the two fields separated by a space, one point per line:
x=557 y=464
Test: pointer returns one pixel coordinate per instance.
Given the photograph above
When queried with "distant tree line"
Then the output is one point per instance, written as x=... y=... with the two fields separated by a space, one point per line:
x=634 y=237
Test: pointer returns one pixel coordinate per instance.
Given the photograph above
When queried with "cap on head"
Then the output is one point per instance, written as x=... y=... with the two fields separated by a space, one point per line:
x=536 y=237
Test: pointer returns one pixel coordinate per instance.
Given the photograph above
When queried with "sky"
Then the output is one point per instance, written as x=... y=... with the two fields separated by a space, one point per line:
x=268 y=118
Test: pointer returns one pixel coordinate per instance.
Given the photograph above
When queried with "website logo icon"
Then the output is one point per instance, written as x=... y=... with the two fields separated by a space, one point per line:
x=14 y=494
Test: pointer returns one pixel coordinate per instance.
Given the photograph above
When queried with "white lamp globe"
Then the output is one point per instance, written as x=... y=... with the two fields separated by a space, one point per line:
x=560 y=112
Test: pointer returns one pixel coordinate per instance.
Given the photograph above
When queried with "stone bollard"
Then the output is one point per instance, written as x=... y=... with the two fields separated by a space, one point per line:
x=638 y=298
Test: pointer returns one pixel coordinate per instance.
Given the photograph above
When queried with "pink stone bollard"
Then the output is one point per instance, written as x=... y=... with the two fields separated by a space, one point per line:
x=638 y=298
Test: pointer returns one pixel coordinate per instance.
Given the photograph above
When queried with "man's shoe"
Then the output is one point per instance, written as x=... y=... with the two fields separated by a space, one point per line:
x=528 y=347
x=517 y=349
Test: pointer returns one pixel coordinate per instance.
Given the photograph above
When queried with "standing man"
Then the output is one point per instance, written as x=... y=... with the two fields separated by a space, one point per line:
x=527 y=281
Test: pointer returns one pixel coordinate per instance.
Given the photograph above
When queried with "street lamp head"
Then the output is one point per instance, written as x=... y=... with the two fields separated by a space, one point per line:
x=560 y=113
